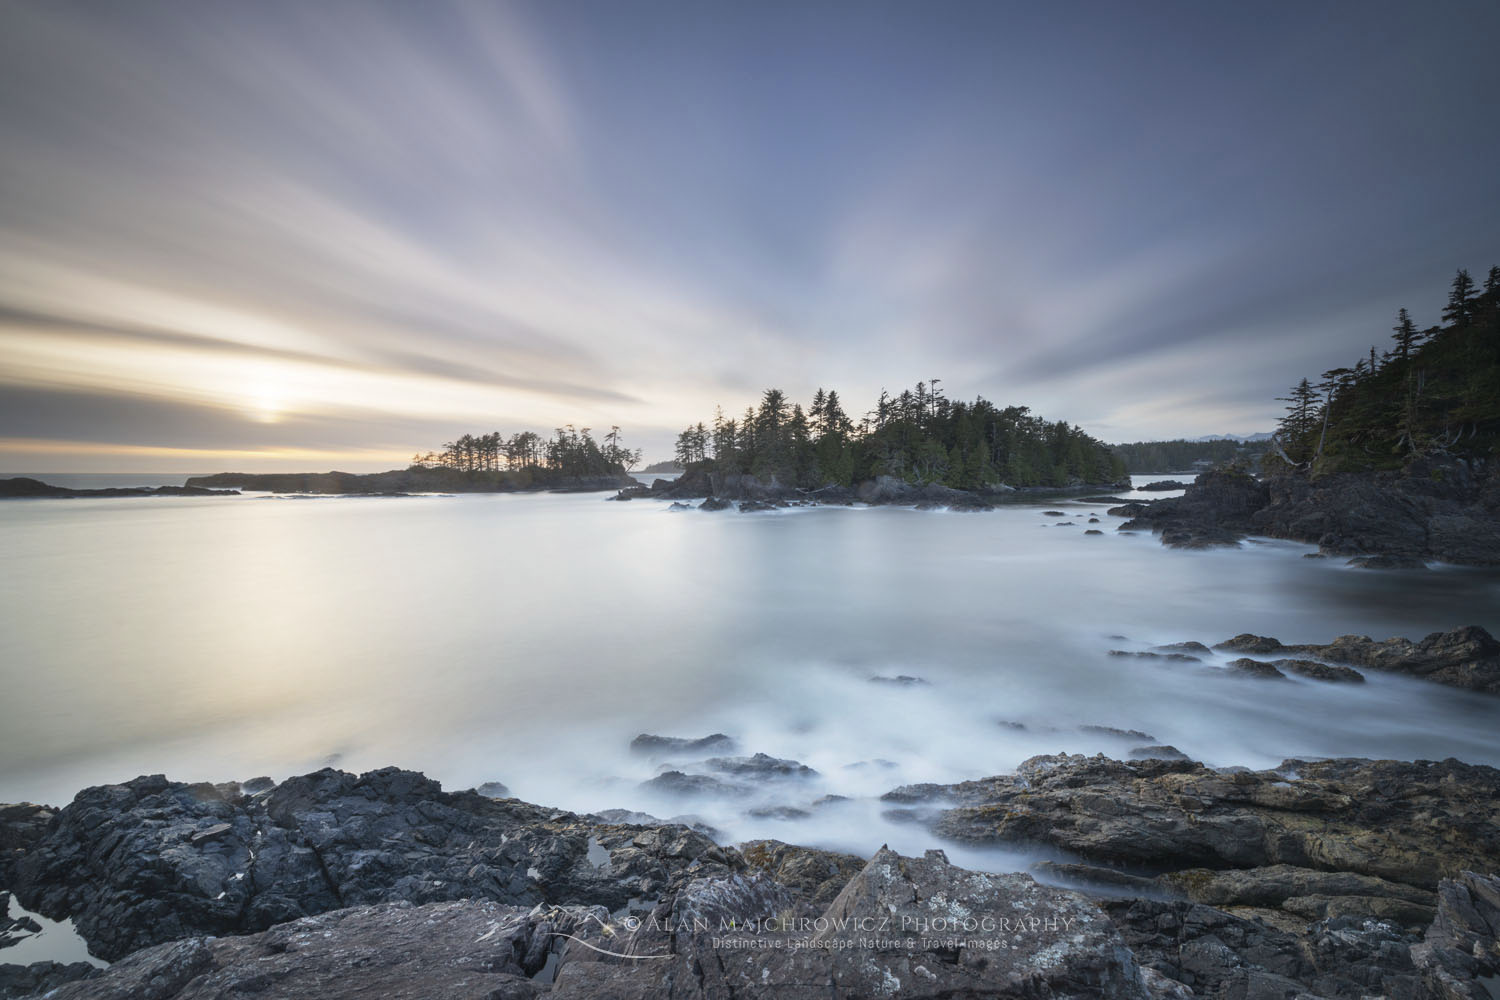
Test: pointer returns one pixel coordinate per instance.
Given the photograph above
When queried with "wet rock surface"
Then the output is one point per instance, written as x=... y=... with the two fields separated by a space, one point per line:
x=1446 y=510
x=1336 y=878
x=870 y=942
x=1411 y=823
x=40 y=977
x=1467 y=657
x=153 y=860
x=461 y=950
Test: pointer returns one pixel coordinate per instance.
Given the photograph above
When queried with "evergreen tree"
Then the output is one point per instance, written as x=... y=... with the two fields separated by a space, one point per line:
x=1405 y=336
x=1460 y=299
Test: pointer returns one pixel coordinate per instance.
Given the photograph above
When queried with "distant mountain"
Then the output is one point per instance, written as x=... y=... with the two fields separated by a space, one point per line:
x=1262 y=436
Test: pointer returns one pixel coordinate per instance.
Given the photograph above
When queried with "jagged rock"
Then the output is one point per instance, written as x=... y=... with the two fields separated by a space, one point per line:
x=1412 y=823
x=658 y=747
x=28 y=980
x=493 y=790
x=1196 y=648
x=1152 y=655
x=760 y=766
x=1162 y=485
x=1093 y=531
x=890 y=932
x=714 y=503
x=1216 y=510
x=1463 y=943
x=1320 y=671
x=813 y=875
x=123 y=863
x=463 y=950
x=1164 y=752
x=1219 y=954
x=1246 y=667
x=1467 y=657
x=1309 y=893
x=14 y=929
x=21 y=826
x=1438 y=510
x=683 y=785
x=1247 y=643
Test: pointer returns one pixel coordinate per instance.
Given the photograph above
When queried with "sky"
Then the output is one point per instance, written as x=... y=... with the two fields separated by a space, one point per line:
x=281 y=236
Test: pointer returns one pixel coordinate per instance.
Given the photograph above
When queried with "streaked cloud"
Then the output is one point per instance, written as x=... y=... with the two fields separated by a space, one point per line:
x=282 y=228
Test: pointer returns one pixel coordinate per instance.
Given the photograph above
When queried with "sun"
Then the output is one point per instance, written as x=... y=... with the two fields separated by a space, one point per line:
x=266 y=403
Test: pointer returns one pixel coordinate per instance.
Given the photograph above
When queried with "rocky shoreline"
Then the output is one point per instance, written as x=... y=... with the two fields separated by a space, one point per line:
x=22 y=488
x=413 y=480
x=1168 y=879
x=720 y=491
x=1434 y=510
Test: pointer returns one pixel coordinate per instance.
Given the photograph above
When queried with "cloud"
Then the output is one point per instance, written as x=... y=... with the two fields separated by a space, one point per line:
x=525 y=214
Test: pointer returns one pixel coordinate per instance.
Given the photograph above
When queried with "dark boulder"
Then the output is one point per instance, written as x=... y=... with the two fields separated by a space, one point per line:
x=1467 y=657
x=1246 y=667
x=760 y=766
x=39 y=977
x=659 y=747
x=1216 y=510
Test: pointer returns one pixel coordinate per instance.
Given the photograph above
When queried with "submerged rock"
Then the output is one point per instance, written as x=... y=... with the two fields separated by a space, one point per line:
x=1246 y=667
x=676 y=746
x=760 y=766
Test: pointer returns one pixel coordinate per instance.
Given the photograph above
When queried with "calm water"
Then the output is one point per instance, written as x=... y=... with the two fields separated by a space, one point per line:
x=526 y=639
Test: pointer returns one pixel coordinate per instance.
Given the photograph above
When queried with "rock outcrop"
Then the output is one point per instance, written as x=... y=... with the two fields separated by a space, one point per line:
x=1467 y=657
x=154 y=860
x=1336 y=878
x=902 y=927
x=1434 y=510
x=22 y=488
x=1409 y=823
x=461 y=950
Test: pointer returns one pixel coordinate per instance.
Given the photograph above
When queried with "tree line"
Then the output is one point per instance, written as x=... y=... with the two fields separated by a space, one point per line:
x=1435 y=390
x=568 y=452
x=918 y=435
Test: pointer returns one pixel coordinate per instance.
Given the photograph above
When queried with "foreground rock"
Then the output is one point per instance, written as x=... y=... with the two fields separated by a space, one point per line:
x=464 y=950
x=154 y=860
x=902 y=927
x=1339 y=879
x=1467 y=657
x=1407 y=823
x=1434 y=510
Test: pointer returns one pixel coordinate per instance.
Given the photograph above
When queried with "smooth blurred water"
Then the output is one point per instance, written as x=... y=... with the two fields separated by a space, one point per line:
x=527 y=638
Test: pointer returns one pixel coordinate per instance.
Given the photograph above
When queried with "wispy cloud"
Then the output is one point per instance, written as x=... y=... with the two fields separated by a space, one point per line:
x=419 y=219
